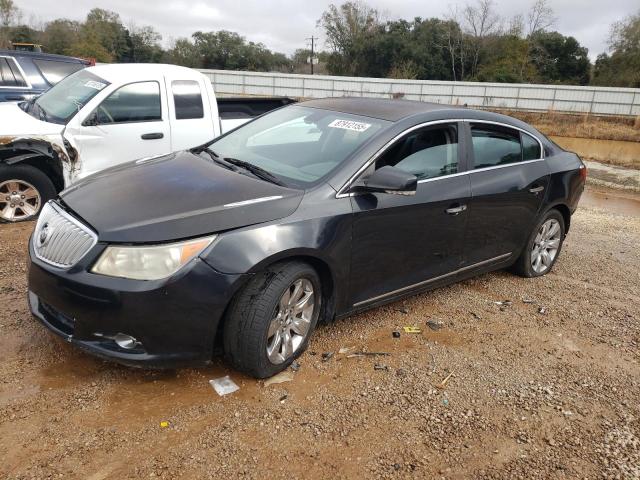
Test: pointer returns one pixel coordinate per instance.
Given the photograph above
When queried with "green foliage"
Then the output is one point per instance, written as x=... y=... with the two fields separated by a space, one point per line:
x=225 y=50
x=622 y=67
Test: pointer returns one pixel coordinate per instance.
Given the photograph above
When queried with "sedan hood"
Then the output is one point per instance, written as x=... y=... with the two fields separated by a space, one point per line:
x=17 y=123
x=176 y=196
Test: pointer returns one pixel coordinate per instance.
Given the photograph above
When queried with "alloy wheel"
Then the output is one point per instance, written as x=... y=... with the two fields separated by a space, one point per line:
x=19 y=200
x=546 y=245
x=289 y=328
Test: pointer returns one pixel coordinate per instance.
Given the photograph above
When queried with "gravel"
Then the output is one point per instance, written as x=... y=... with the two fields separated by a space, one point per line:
x=528 y=395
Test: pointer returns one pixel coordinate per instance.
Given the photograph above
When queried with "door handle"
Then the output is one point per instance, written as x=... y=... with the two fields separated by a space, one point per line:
x=152 y=136
x=536 y=190
x=456 y=210
x=13 y=98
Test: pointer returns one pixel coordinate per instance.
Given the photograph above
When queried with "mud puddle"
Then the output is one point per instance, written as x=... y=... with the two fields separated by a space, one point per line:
x=614 y=201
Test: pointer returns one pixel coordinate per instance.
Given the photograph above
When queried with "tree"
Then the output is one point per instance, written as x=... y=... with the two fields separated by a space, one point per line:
x=144 y=44
x=61 y=35
x=347 y=28
x=104 y=28
x=622 y=67
x=481 y=21
x=9 y=16
x=184 y=52
x=559 y=59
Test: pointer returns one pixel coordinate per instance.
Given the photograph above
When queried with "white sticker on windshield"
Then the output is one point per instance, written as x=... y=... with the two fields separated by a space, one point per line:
x=350 y=125
x=95 y=85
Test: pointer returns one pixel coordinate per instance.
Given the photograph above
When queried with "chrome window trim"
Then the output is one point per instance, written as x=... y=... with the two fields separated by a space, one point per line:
x=252 y=201
x=341 y=192
x=433 y=279
x=24 y=76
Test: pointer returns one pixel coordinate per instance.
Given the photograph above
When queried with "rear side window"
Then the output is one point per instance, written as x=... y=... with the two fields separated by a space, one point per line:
x=426 y=153
x=187 y=99
x=530 y=147
x=10 y=75
x=136 y=102
x=53 y=71
x=495 y=145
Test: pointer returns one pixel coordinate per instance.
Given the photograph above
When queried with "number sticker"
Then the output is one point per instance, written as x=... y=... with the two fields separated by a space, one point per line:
x=95 y=85
x=350 y=125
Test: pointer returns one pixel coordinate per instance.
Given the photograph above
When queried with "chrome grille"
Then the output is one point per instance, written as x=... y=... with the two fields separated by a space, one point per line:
x=59 y=239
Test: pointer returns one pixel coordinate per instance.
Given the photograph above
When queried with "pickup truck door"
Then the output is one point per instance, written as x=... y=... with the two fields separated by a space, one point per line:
x=193 y=114
x=131 y=122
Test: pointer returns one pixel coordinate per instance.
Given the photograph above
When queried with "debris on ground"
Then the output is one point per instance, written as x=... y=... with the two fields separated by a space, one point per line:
x=368 y=354
x=402 y=310
x=224 y=385
x=295 y=366
x=344 y=350
x=326 y=356
x=380 y=366
x=528 y=300
x=395 y=334
x=435 y=325
x=164 y=424
x=442 y=385
x=476 y=316
x=285 y=376
x=412 y=329
x=283 y=398
x=542 y=310
x=504 y=303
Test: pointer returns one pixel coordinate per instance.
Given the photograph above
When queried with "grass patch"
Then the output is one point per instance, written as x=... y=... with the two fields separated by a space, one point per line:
x=581 y=125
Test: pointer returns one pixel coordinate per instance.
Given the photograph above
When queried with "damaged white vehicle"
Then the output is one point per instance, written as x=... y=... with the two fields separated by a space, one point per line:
x=104 y=116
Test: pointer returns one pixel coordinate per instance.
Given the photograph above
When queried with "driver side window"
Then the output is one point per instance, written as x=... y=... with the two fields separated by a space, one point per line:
x=426 y=153
x=136 y=102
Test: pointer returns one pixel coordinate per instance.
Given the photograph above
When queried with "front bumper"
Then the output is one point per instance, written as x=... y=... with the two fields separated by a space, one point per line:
x=174 y=320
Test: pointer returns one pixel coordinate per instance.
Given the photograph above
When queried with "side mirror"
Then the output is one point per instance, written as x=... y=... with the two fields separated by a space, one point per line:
x=91 y=120
x=388 y=180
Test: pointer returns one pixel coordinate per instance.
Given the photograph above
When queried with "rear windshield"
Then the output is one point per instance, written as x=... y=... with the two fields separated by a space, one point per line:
x=299 y=145
x=60 y=103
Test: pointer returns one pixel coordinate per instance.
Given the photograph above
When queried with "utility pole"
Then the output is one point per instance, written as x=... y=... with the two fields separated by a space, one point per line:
x=312 y=39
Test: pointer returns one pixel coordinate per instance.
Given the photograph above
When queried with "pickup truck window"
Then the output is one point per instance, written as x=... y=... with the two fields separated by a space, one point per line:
x=135 y=102
x=53 y=72
x=187 y=99
x=62 y=101
x=299 y=145
x=10 y=75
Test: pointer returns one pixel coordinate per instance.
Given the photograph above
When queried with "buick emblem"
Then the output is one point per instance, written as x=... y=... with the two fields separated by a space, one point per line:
x=44 y=235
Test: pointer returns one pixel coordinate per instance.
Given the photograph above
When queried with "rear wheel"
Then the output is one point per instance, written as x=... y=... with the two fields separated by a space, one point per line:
x=270 y=321
x=543 y=247
x=23 y=191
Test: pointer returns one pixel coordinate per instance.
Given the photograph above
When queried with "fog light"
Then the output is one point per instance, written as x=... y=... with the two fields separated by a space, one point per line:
x=125 y=341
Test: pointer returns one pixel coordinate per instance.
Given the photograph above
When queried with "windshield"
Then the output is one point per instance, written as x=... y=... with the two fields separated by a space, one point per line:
x=65 y=99
x=298 y=145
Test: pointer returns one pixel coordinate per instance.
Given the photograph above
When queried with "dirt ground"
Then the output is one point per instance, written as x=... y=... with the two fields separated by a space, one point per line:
x=544 y=387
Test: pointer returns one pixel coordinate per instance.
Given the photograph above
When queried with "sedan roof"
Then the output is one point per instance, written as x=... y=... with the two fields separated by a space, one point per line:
x=382 y=108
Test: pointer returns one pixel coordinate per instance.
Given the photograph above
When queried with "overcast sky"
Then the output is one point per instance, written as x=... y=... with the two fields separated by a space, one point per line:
x=283 y=25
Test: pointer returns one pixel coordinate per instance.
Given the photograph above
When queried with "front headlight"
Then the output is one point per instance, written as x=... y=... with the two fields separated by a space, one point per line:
x=152 y=262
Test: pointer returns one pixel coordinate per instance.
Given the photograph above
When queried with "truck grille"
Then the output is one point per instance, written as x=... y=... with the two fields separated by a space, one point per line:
x=59 y=239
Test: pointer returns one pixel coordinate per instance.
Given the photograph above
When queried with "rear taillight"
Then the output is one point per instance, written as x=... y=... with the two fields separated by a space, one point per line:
x=583 y=173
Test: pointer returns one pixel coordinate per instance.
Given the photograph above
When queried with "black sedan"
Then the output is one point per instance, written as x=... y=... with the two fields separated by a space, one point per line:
x=309 y=213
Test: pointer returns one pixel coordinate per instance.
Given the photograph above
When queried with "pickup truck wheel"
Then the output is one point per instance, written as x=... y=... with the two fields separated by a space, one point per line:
x=270 y=321
x=23 y=191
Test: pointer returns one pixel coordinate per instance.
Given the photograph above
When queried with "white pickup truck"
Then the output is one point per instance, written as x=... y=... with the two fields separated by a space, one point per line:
x=103 y=116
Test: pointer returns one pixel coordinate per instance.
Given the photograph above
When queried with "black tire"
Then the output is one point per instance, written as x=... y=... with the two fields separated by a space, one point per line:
x=523 y=265
x=32 y=176
x=251 y=311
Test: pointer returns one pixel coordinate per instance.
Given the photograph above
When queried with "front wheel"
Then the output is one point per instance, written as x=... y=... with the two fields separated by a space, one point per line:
x=270 y=321
x=23 y=191
x=543 y=247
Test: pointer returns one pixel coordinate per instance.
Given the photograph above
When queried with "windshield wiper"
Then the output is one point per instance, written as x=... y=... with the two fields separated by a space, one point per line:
x=256 y=170
x=217 y=158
